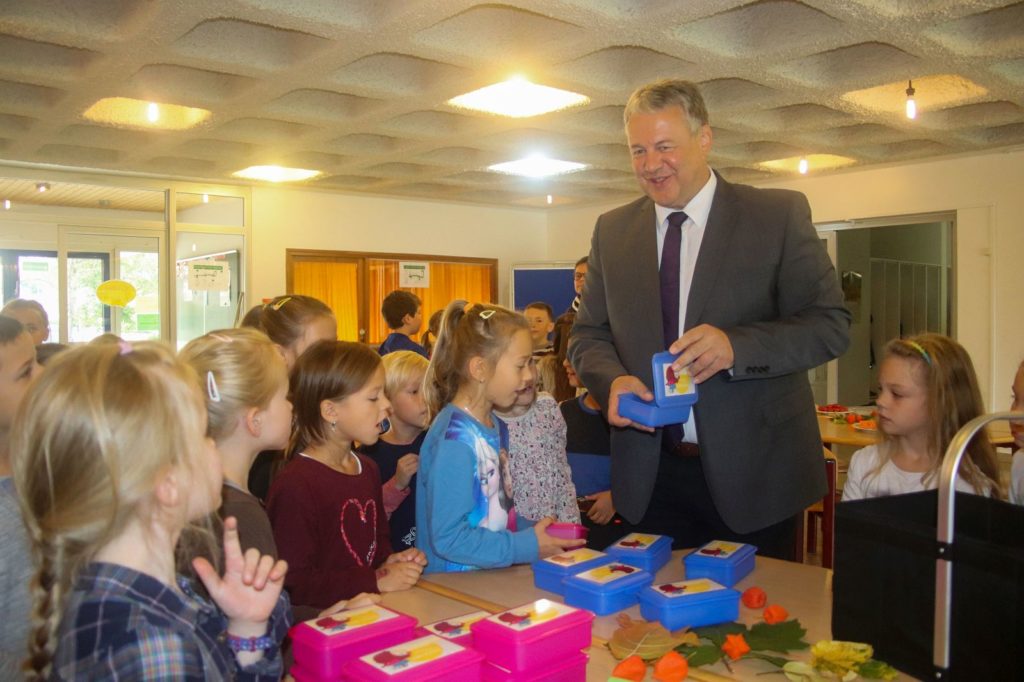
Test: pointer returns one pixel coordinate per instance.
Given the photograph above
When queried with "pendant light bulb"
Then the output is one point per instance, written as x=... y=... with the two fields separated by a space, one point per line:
x=802 y=166
x=911 y=104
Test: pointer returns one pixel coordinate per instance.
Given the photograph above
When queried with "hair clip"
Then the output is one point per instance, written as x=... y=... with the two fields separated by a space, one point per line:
x=125 y=347
x=486 y=314
x=221 y=337
x=920 y=349
x=211 y=387
x=279 y=304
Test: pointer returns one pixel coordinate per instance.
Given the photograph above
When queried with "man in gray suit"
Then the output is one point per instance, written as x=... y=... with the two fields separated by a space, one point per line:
x=736 y=280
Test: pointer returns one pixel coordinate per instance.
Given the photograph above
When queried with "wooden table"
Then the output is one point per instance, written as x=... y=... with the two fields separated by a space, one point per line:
x=845 y=434
x=806 y=591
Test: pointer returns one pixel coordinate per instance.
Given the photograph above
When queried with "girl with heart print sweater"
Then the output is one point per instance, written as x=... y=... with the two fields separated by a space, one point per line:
x=326 y=507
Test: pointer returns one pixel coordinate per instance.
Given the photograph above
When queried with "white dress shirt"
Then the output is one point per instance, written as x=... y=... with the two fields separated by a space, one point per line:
x=692 y=233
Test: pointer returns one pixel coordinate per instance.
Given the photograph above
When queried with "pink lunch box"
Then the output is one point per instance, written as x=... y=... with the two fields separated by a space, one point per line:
x=568 y=531
x=568 y=669
x=530 y=636
x=455 y=629
x=426 y=658
x=323 y=645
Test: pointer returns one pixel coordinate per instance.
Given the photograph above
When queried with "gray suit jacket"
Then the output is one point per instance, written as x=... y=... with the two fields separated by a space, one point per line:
x=763 y=277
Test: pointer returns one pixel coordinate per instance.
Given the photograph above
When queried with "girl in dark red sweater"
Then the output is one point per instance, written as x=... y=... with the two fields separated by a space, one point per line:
x=326 y=507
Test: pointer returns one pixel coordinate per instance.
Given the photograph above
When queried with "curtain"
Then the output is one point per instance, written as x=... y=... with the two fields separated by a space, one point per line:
x=336 y=284
x=448 y=281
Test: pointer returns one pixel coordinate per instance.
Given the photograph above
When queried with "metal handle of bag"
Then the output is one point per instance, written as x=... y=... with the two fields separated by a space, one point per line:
x=944 y=526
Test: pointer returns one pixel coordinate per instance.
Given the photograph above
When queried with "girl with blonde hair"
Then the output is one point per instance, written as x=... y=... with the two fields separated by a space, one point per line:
x=112 y=463
x=246 y=385
x=928 y=391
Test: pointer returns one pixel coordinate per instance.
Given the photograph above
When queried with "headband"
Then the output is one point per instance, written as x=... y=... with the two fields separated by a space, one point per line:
x=920 y=349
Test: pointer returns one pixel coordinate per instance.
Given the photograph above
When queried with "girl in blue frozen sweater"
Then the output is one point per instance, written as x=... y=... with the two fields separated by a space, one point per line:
x=465 y=514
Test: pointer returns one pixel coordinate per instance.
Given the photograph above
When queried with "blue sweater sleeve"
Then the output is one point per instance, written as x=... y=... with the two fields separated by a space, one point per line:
x=449 y=501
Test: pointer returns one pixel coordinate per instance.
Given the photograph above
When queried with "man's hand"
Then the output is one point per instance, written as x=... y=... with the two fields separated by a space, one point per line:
x=603 y=510
x=705 y=352
x=626 y=384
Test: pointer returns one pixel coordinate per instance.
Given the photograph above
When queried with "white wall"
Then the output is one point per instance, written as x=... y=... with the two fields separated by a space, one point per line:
x=987 y=193
x=305 y=219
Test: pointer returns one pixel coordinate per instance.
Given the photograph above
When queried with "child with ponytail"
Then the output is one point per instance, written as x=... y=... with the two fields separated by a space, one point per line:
x=111 y=463
x=293 y=323
x=465 y=516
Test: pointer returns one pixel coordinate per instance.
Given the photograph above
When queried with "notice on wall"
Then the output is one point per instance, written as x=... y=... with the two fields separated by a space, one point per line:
x=209 y=275
x=413 y=274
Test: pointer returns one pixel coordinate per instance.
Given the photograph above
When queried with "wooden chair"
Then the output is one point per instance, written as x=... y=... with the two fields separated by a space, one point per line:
x=825 y=510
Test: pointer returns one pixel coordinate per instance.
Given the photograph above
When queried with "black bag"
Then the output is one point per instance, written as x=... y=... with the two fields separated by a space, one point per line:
x=883 y=588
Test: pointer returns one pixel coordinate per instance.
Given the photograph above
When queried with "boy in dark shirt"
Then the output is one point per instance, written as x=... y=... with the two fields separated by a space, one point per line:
x=404 y=314
x=397 y=451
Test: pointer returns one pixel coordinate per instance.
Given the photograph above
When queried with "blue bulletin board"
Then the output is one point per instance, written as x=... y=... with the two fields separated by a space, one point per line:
x=548 y=282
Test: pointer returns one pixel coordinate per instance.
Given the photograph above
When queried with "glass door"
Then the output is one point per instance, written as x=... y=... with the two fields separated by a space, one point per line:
x=88 y=257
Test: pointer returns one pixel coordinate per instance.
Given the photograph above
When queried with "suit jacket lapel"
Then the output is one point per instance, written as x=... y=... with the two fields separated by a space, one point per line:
x=713 y=251
x=642 y=241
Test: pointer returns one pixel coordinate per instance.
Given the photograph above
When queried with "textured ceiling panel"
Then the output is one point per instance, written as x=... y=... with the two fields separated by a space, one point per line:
x=260 y=130
x=21 y=58
x=624 y=67
x=761 y=29
x=499 y=32
x=320 y=104
x=77 y=155
x=395 y=74
x=183 y=85
x=974 y=115
x=855 y=65
x=997 y=31
x=793 y=117
x=100 y=136
x=246 y=44
x=20 y=97
x=358 y=89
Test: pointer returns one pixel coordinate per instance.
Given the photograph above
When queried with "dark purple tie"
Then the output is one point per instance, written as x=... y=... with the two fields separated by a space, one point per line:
x=669 y=275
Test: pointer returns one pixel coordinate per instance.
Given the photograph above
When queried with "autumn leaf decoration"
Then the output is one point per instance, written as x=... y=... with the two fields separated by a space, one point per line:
x=649 y=641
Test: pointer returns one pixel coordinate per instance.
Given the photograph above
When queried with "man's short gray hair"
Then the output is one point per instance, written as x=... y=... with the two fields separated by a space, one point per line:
x=666 y=93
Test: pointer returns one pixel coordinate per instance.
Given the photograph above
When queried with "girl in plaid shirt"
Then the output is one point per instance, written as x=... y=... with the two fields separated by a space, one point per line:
x=111 y=462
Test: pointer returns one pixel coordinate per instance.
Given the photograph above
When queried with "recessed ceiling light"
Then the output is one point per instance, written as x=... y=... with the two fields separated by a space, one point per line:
x=137 y=113
x=42 y=187
x=537 y=167
x=518 y=98
x=793 y=164
x=276 y=173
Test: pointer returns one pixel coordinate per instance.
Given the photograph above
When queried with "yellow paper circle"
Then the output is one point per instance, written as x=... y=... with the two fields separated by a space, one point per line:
x=115 y=292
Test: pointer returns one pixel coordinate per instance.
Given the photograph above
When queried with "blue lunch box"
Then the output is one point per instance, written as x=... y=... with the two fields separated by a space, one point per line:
x=649 y=552
x=606 y=589
x=548 y=573
x=674 y=393
x=726 y=563
x=689 y=603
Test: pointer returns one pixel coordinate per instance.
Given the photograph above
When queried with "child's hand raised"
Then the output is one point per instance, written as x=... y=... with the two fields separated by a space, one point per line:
x=548 y=544
x=406 y=469
x=249 y=588
x=398 y=575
